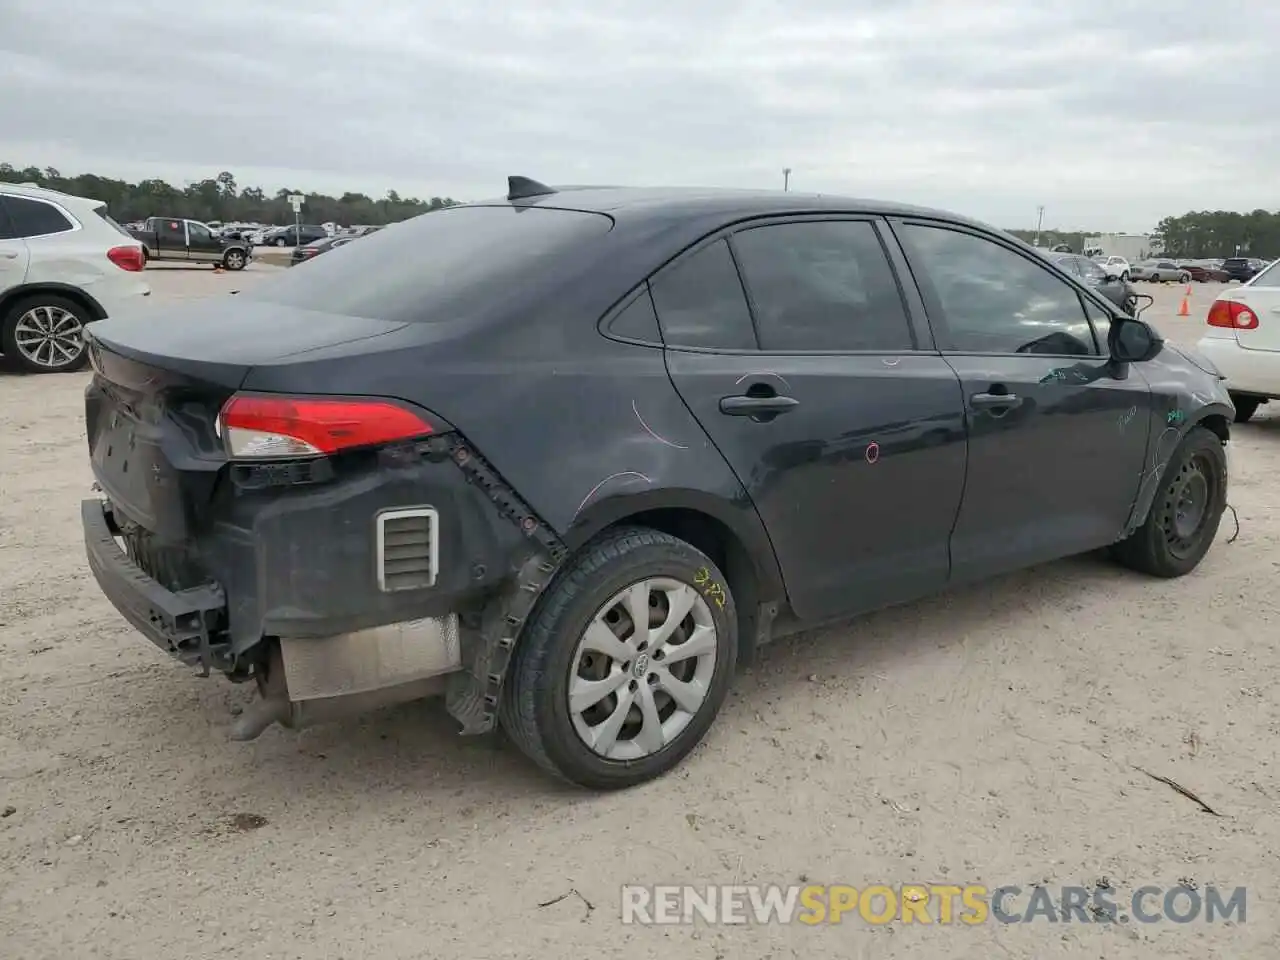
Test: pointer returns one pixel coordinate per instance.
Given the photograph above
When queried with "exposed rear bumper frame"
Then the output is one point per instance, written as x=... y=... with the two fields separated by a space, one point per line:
x=177 y=622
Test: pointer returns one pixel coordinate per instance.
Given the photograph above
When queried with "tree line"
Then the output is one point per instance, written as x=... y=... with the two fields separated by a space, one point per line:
x=1216 y=233
x=222 y=199
x=1221 y=233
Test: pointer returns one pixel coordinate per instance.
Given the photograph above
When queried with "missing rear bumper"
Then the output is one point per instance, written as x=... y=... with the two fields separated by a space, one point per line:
x=178 y=622
x=308 y=681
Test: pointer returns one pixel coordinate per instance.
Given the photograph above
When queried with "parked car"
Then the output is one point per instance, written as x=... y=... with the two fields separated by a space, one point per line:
x=175 y=239
x=1205 y=273
x=64 y=263
x=568 y=458
x=309 y=251
x=1117 y=267
x=1114 y=289
x=294 y=235
x=1241 y=268
x=1242 y=338
x=1159 y=271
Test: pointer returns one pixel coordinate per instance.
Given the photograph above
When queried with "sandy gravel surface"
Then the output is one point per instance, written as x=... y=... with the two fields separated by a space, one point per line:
x=985 y=736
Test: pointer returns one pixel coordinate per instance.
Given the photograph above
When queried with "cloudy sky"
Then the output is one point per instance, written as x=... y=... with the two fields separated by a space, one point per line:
x=1110 y=114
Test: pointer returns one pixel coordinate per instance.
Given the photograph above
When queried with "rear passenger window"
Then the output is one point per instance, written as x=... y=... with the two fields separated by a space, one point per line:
x=637 y=321
x=34 y=218
x=822 y=286
x=700 y=302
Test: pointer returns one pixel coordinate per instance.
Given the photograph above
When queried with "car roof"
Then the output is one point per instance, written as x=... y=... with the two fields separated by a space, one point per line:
x=44 y=193
x=640 y=203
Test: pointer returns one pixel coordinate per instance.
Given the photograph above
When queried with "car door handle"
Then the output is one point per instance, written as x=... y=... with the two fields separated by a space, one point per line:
x=748 y=406
x=990 y=401
x=8 y=254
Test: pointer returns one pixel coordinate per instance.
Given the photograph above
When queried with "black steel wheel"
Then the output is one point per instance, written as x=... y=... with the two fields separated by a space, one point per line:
x=1185 y=512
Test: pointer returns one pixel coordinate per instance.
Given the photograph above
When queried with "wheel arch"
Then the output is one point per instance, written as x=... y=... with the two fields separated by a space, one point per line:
x=731 y=534
x=74 y=294
x=1216 y=418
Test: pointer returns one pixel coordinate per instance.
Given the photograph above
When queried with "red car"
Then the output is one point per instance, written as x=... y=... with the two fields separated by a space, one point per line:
x=1203 y=274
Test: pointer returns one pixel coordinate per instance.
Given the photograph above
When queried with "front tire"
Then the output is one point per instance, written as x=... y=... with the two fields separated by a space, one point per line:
x=1184 y=278
x=1184 y=517
x=281 y=242
x=45 y=334
x=596 y=702
x=1124 y=277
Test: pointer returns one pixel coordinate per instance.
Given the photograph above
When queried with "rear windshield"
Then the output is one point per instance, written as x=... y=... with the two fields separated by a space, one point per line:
x=102 y=212
x=1269 y=277
x=432 y=267
x=1236 y=260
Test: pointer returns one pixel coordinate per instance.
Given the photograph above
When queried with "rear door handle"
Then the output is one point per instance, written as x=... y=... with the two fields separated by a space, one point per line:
x=990 y=401
x=747 y=406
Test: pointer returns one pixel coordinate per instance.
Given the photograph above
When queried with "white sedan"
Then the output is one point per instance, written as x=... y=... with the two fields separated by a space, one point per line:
x=1243 y=340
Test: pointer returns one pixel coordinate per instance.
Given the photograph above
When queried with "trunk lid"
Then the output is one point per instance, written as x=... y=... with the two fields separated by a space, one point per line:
x=220 y=340
x=1265 y=304
x=162 y=374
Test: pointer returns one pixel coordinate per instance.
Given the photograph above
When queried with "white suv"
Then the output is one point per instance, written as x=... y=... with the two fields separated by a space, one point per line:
x=63 y=263
x=1115 y=267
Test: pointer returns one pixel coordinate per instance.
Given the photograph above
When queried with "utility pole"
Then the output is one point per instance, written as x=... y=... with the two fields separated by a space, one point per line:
x=1039 y=224
x=786 y=178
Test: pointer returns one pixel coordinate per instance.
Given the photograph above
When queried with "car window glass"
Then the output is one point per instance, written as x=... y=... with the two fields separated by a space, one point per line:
x=106 y=218
x=171 y=230
x=1092 y=272
x=467 y=261
x=34 y=218
x=198 y=231
x=1101 y=321
x=637 y=320
x=1270 y=277
x=822 y=286
x=997 y=301
x=701 y=303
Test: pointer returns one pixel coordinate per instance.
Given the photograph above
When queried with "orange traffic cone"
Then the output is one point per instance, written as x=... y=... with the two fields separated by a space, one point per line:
x=1185 y=309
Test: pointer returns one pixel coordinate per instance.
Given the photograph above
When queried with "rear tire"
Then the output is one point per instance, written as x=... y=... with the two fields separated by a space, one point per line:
x=1184 y=517
x=620 y=738
x=233 y=260
x=1124 y=277
x=24 y=327
x=281 y=242
x=1246 y=407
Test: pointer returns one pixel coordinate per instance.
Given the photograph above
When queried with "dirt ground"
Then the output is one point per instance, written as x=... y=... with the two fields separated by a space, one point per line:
x=986 y=736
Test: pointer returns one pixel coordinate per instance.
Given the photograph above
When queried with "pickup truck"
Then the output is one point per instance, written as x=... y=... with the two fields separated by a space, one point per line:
x=171 y=238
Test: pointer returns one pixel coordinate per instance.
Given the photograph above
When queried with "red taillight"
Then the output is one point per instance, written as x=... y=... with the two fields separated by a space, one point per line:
x=263 y=427
x=1232 y=315
x=127 y=258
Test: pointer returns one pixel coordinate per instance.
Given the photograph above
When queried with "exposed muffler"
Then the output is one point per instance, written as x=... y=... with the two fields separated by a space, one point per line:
x=309 y=681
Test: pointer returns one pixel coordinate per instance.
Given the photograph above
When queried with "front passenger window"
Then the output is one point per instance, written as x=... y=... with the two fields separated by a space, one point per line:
x=701 y=303
x=996 y=301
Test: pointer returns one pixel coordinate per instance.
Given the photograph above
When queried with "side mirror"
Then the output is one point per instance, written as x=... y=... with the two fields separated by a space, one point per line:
x=1133 y=341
